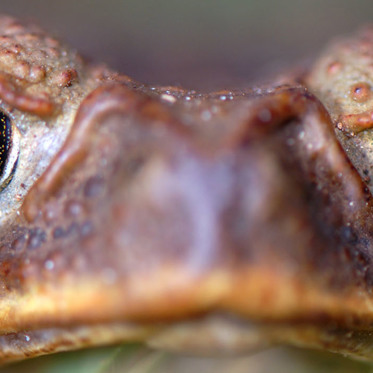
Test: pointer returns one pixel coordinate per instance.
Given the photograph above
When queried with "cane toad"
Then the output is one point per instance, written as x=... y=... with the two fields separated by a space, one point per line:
x=211 y=222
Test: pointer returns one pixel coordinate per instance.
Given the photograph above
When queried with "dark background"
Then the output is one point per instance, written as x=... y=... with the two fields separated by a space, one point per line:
x=196 y=43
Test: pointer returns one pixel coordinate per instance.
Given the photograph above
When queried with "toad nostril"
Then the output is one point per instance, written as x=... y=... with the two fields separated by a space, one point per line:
x=360 y=92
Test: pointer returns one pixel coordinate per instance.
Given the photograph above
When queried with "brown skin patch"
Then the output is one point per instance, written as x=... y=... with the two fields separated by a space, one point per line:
x=251 y=198
x=165 y=206
x=66 y=78
x=13 y=96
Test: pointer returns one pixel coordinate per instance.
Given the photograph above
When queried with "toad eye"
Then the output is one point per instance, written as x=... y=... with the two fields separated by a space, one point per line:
x=9 y=149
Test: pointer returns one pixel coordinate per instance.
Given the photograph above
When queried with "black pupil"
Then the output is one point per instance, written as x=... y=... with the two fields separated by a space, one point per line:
x=5 y=140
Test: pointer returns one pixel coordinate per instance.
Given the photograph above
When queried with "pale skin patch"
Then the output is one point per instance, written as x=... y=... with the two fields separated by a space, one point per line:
x=13 y=96
x=342 y=77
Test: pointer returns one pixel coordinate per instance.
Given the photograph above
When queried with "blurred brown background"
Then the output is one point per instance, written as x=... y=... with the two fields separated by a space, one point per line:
x=197 y=43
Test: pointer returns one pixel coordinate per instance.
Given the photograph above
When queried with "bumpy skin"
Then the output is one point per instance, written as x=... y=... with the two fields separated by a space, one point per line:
x=215 y=222
x=343 y=79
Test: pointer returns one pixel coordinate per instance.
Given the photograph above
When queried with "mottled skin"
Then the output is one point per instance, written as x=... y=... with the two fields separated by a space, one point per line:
x=199 y=222
x=343 y=79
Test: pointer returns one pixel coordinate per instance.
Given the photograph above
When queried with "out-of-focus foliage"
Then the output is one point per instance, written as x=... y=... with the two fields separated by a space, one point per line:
x=139 y=359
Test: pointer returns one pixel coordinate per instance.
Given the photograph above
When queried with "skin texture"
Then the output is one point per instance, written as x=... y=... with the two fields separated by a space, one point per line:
x=158 y=214
x=342 y=78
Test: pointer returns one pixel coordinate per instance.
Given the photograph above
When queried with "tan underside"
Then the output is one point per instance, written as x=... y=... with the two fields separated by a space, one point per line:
x=85 y=313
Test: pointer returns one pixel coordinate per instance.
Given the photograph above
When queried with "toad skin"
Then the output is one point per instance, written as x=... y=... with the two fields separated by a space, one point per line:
x=158 y=214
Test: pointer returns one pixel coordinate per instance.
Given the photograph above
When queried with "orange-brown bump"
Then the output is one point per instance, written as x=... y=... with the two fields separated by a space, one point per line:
x=361 y=92
x=355 y=123
x=65 y=78
x=37 y=73
x=13 y=95
x=21 y=69
x=334 y=67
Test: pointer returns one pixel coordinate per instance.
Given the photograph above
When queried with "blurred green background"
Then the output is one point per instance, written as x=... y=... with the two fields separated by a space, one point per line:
x=197 y=43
